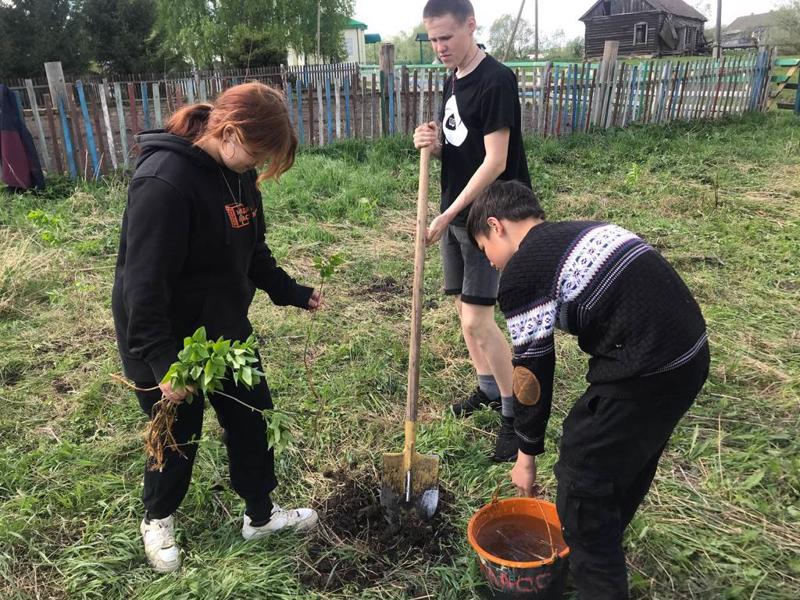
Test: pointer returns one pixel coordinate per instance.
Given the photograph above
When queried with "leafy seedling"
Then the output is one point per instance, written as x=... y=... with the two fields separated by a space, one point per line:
x=326 y=268
x=203 y=365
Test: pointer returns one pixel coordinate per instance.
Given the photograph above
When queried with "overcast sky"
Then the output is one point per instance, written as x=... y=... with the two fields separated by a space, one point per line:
x=390 y=18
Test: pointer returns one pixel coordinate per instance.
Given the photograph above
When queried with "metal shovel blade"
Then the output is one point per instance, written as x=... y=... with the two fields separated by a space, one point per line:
x=418 y=489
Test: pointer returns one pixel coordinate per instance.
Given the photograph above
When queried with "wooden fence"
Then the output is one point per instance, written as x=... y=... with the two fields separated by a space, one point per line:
x=89 y=130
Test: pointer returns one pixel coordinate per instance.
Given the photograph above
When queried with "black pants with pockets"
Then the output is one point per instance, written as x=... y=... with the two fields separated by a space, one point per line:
x=251 y=463
x=608 y=457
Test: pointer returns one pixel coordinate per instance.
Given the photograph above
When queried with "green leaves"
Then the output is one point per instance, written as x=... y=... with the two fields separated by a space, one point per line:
x=204 y=364
x=279 y=430
x=327 y=266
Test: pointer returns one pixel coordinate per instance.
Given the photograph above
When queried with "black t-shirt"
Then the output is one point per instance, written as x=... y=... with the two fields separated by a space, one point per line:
x=484 y=101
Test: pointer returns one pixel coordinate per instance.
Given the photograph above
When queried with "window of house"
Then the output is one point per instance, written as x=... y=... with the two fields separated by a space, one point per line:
x=607 y=8
x=689 y=37
x=640 y=34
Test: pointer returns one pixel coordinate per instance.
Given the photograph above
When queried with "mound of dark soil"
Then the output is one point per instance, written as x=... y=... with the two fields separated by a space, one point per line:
x=357 y=544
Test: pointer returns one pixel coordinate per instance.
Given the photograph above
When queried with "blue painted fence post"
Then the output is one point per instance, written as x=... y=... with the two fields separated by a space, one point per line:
x=390 y=83
x=328 y=108
x=145 y=106
x=62 y=112
x=87 y=123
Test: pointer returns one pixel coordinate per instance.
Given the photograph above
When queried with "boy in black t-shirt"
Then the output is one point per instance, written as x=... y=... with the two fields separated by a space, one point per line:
x=480 y=141
x=649 y=358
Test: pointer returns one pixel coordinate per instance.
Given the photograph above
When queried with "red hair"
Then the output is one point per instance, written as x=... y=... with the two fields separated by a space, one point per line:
x=256 y=112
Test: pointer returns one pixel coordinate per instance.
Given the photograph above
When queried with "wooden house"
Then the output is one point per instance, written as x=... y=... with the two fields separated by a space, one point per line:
x=753 y=31
x=644 y=27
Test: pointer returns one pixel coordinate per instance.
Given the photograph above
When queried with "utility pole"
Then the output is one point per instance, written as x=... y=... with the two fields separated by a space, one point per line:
x=536 y=32
x=510 y=43
x=319 y=14
x=718 y=45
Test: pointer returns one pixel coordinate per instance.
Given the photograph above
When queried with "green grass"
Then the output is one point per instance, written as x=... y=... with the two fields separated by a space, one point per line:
x=721 y=200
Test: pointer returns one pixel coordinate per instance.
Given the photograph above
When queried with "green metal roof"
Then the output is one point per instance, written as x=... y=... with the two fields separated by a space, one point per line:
x=372 y=38
x=353 y=24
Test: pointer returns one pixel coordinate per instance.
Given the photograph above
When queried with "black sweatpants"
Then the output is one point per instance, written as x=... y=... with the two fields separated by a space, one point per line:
x=608 y=457
x=250 y=462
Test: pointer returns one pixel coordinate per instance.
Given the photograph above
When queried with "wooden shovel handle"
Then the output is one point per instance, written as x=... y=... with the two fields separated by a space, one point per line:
x=416 y=299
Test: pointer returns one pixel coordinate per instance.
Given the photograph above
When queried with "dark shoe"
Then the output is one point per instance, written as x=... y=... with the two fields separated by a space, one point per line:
x=505 y=449
x=477 y=400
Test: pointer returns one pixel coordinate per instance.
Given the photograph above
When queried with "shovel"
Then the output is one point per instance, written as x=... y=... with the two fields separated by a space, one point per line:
x=411 y=480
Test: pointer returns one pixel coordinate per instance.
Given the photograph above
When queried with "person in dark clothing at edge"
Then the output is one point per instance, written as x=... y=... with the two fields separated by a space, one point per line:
x=480 y=141
x=649 y=358
x=192 y=253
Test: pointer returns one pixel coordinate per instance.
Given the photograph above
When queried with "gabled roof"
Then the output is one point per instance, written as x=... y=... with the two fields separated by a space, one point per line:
x=678 y=7
x=673 y=7
x=753 y=22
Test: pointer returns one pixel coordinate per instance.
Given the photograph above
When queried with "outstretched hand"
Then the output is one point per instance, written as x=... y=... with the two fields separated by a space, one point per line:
x=316 y=301
x=523 y=475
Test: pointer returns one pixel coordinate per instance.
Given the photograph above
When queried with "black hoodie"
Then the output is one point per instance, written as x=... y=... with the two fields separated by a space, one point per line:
x=191 y=253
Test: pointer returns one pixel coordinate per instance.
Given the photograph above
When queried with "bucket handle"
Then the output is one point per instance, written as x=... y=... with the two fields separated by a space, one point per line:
x=553 y=550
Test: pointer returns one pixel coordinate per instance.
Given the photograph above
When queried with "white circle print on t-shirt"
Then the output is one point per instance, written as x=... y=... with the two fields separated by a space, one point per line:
x=455 y=132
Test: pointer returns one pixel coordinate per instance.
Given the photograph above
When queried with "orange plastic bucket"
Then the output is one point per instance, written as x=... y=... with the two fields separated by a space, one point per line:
x=520 y=548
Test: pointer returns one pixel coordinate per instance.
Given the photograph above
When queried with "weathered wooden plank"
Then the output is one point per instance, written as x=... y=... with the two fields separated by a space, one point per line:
x=112 y=150
x=133 y=111
x=51 y=125
x=123 y=133
x=92 y=101
x=347 y=128
x=301 y=125
x=320 y=115
x=311 y=120
x=43 y=151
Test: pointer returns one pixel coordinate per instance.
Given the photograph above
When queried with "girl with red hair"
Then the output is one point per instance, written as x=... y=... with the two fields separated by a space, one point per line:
x=193 y=252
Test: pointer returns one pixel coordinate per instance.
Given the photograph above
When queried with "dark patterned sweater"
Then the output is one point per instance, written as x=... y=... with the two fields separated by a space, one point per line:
x=631 y=312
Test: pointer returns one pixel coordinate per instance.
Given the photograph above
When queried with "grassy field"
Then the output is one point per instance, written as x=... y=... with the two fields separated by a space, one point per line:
x=720 y=200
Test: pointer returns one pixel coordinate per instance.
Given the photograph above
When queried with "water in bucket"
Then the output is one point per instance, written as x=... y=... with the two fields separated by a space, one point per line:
x=515 y=538
x=521 y=551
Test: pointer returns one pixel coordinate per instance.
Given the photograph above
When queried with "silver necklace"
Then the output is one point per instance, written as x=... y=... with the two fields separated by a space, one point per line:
x=228 y=185
x=455 y=72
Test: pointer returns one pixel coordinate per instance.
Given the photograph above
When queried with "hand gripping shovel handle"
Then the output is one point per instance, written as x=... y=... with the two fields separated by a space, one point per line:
x=416 y=318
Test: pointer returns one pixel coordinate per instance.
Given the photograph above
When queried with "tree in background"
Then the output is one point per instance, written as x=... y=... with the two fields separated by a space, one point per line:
x=37 y=31
x=138 y=36
x=788 y=39
x=122 y=39
x=558 y=47
x=499 y=33
x=407 y=48
x=210 y=31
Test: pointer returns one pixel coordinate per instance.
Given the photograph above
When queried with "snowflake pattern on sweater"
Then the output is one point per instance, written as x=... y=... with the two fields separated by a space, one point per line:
x=628 y=307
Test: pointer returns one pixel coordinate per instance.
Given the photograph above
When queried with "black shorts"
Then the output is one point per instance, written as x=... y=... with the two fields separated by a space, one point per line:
x=467 y=271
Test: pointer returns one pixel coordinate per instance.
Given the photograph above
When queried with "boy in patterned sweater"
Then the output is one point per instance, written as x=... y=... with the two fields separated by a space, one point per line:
x=649 y=358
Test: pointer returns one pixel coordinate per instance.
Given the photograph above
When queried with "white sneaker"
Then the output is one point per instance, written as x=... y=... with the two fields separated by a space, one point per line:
x=160 y=548
x=296 y=519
